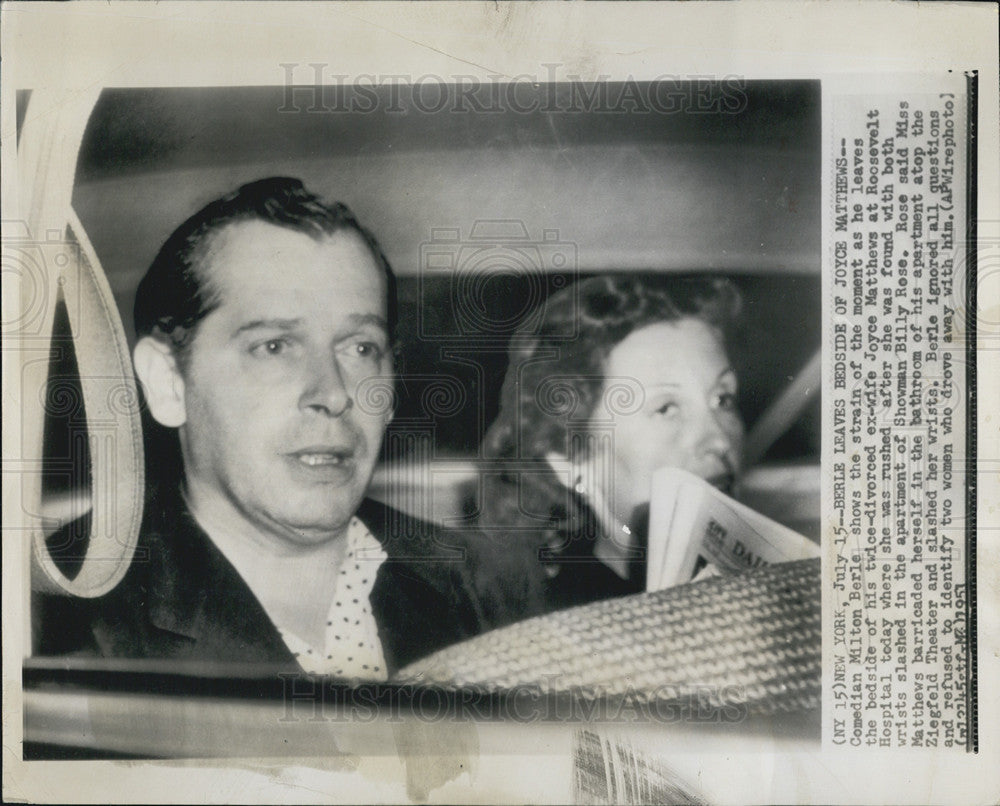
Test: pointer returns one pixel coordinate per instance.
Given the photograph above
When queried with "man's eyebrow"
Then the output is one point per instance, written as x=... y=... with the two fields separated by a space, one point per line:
x=355 y=320
x=268 y=324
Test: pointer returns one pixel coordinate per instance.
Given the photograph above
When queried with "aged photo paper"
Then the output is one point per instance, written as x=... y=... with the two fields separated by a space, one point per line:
x=501 y=402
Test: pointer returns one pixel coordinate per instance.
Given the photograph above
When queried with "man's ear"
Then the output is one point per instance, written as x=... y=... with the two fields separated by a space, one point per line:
x=162 y=381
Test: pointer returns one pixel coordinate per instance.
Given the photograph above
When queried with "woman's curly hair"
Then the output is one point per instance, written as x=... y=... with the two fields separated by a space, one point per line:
x=555 y=379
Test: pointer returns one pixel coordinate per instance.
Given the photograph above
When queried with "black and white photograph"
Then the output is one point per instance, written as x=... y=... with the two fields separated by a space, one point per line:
x=391 y=427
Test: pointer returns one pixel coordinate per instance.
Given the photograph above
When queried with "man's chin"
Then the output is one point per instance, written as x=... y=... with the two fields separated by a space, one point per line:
x=311 y=513
x=311 y=526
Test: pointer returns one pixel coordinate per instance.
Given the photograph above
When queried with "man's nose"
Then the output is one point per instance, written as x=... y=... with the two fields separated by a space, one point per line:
x=326 y=392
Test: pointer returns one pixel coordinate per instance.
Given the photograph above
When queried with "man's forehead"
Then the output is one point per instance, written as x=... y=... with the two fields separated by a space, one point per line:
x=249 y=236
x=262 y=255
x=260 y=274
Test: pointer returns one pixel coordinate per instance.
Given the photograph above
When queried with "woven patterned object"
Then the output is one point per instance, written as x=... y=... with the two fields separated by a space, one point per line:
x=751 y=640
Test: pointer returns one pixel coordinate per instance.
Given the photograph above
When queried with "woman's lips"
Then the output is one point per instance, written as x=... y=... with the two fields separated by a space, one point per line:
x=723 y=482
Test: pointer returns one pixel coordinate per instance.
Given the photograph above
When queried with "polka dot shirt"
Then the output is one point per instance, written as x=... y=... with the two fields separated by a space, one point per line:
x=353 y=648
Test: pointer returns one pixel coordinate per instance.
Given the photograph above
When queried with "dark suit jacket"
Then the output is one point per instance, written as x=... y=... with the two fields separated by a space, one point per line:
x=182 y=599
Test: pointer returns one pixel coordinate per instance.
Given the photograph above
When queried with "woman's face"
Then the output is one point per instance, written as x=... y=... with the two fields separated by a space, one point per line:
x=684 y=414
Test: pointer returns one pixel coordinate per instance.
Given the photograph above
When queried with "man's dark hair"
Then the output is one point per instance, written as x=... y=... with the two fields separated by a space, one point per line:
x=176 y=294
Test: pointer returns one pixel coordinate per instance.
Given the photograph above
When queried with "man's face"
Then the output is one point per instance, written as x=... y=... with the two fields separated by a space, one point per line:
x=275 y=440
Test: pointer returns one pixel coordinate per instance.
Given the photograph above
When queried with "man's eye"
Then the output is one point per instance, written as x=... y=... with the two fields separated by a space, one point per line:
x=368 y=349
x=365 y=351
x=270 y=347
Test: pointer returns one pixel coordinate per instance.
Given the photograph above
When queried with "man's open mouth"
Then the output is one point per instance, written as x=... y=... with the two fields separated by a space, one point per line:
x=324 y=457
x=320 y=459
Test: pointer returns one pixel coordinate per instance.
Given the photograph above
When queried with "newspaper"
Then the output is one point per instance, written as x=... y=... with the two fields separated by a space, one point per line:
x=893 y=213
x=693 y=525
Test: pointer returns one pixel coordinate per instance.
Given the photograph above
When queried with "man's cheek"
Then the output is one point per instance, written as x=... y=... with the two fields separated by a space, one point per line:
x=203 y=413
x=266 y=406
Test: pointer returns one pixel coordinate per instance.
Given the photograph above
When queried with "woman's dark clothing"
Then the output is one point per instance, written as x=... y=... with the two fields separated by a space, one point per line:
x=583 y=581
x=563 y=546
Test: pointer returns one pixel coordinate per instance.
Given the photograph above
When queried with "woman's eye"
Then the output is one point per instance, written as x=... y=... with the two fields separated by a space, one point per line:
x=667 y=409
x=726 y=401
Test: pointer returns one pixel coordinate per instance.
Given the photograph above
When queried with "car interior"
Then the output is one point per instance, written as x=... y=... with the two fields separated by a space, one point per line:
x=482 y=216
